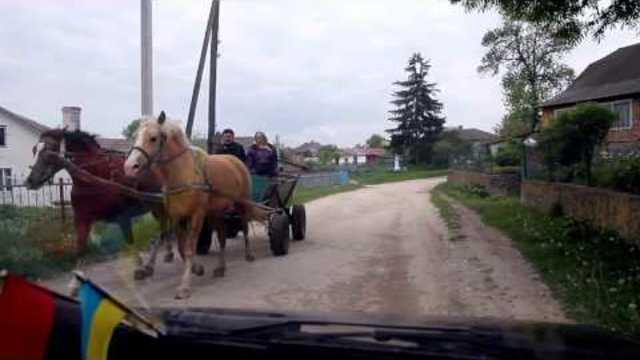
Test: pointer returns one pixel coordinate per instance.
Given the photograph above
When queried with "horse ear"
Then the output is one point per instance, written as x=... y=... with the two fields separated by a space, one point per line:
x=162 y=117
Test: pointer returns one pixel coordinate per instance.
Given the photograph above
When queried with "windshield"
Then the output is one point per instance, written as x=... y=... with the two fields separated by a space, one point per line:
x=417 y=158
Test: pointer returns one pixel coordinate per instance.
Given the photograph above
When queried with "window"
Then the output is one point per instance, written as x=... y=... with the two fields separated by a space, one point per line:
x=5 y=179
x=622 y=109
x=561 y=111
x=3 y=135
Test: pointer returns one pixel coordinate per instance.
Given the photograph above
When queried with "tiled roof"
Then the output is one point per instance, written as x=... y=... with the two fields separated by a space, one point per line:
x=473 y=134
x=616 y=74
x=116 y=144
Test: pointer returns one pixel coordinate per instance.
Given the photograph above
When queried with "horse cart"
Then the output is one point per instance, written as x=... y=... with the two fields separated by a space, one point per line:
x=286 y=220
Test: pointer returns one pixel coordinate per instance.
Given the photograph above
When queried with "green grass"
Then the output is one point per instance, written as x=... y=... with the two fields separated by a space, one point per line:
x=379 y=176
x=595 y=275
x=303 y=195
x=36 y=244
x=448 y=214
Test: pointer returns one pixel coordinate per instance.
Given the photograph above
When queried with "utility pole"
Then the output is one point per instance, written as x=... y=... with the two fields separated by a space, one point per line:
x=213 y=73
x=146 y=57
x=204 y=238
x=201 y=63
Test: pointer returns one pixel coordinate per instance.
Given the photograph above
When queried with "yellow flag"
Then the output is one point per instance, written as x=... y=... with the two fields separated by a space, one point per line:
x=105 y=319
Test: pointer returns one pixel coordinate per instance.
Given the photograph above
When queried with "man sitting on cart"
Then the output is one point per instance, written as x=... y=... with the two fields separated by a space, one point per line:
x=230 y=146
x=262 y=158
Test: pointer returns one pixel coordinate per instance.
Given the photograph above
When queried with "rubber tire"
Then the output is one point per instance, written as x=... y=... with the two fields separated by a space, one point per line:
x=279 y=234
x=298 y=222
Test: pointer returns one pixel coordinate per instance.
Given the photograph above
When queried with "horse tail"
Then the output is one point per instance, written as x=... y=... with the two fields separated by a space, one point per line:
x=256 y=212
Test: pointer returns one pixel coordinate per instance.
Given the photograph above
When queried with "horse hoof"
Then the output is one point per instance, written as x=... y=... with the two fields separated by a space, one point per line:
x=139 y=274
x=197 y=269
x=168 y=257
x=143 y=272
x=219 y=272
x=183 y=293
x=249 y=257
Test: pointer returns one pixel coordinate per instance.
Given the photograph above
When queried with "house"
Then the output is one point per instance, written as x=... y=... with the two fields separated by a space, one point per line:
x=18 y=135
x=613 y=82
x=361 y=155
x=481 y=141
x=309 y=151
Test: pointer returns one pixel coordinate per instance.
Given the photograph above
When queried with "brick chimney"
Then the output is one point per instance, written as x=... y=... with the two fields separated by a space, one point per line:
x=71 y=117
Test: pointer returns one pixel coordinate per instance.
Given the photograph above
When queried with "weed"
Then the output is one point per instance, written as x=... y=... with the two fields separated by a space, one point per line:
x=596 y=275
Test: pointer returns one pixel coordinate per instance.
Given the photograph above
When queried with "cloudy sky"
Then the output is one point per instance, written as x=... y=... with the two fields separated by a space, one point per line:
x=303 y=69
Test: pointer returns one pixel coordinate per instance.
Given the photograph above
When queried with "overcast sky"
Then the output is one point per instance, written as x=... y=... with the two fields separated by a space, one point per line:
x=303 y=69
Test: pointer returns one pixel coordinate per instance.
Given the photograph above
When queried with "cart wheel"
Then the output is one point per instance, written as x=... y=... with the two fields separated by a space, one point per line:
x=298 y=222
x=279 y=234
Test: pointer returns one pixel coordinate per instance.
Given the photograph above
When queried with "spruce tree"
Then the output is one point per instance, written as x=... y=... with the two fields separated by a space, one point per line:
x=417 y=113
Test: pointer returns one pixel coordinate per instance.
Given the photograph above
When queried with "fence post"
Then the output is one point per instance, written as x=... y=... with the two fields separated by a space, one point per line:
x=62 y=214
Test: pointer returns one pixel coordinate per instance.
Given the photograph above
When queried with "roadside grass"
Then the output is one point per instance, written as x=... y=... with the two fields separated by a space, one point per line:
x=379 y=176
x=35 y=243
x=448 y=214
x=595 y=275
x=304 y=195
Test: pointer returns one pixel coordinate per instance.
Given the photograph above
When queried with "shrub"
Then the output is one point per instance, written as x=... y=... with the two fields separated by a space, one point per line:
x=509 y=155
x=621 y=173
x=573 y=137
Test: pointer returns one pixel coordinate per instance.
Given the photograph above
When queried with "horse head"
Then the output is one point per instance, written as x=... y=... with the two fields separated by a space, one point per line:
x=46 y=153
x=157 y=141
x=53 y=146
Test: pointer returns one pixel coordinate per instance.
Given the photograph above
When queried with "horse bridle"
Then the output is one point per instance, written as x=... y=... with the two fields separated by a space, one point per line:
x=155 y=158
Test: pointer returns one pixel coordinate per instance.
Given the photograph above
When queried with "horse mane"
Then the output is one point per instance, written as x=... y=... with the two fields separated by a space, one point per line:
x=172 y=129
x=81 y=137
x=76 y=137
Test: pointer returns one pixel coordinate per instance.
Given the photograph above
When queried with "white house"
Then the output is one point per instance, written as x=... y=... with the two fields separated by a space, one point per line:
x=18 y=135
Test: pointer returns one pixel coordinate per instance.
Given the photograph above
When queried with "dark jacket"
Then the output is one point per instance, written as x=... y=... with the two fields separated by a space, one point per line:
x=263 y=161
x=234 y=149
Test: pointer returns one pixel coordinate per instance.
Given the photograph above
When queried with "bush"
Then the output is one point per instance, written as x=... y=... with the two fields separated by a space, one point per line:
x=620 y=173
x=573 y=137
x=509 y=155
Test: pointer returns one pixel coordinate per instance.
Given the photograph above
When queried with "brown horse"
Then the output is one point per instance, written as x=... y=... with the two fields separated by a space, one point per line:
x=90 y=201
x=195 y=185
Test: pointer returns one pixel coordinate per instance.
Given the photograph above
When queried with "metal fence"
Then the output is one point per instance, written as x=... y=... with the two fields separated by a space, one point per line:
x=324 y=179
x=56 y=193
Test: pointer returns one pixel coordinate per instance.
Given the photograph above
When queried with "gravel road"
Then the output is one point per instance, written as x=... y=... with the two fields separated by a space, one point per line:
x=380 y=249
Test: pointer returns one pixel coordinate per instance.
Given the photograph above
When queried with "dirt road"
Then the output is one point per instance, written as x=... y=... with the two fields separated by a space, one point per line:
x=381 y=249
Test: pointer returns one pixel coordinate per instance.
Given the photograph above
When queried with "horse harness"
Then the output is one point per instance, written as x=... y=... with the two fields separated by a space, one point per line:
x=155 y=159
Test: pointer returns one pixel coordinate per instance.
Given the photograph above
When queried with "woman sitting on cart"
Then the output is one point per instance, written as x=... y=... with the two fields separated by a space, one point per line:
x=262 y=158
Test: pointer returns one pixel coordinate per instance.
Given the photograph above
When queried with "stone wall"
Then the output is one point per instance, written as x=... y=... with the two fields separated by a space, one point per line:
x=604 y=209
x=495 y=184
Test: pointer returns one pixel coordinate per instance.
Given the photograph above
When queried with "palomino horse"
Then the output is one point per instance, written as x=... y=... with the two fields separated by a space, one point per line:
x=195 y=185
x=93 y=202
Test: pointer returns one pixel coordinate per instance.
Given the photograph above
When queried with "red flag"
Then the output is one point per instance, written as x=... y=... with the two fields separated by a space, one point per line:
x=26 y=319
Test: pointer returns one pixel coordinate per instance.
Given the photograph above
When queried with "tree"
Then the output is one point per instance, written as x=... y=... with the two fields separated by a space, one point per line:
x=449 y=148
x=417 y=112
x=328 y=154
x=129 y=132
x=574 y=136
x=376 y=141
x=571 y=19
x=530 y=57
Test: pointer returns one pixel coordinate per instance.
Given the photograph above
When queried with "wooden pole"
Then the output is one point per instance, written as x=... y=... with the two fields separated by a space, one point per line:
x=203 y=57
x=204 y=239
x=62 y=213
